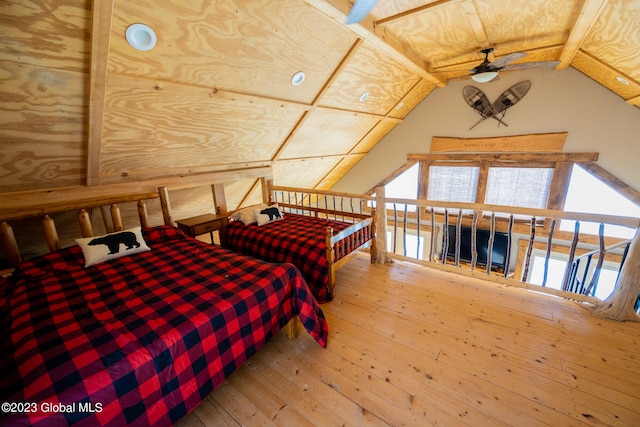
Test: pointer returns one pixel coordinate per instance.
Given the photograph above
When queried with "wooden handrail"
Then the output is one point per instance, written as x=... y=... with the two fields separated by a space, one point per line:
x=625 y=221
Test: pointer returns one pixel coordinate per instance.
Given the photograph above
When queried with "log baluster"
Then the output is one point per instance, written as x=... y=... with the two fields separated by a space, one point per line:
x=404 y=232
x=552 y=227
x=601 y=254
x=433 y=234
x=85 y=223
x=9 y=244
x=458 y=237
x=167 y=215
x=445 y=236
x=507 y=259
x=50 y=233
x=568 y=272
x=116 y=217
x=527 y=258
x=492 y=236
x=474 y=243
x=142 y=214
x=418 y=208
x=106 y=218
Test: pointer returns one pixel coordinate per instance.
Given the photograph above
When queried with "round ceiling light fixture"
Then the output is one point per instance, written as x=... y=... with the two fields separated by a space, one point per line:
x=141 y=37
x=298 y=78
x=364 y=96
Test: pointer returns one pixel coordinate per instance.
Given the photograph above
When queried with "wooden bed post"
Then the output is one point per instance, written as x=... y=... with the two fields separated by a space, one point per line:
x=166 y=206
x=85 y=223
x=142 y=214
x=219 y=199
x=116 y=217
x=292 y=329
x=50 y=233
x=267 y=189
x=331 y=276
x=9 y=244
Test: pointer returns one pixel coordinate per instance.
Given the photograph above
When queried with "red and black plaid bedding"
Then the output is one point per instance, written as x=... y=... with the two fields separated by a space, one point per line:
x=142 y=339
x=297 y=239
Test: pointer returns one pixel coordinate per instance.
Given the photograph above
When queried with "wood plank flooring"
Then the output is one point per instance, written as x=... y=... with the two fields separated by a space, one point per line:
x=412 y=346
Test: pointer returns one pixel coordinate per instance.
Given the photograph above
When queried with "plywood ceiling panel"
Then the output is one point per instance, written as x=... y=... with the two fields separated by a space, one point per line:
x=339 y=170
x=412 y=99
x=369 y=70
x=46 y=33
x=527 y=23
x=245 y=46
x=615 y=38
x=305 y=173
x=328 y=132
x=215 y=92
x=437 y=35
x=236 y=193
x=156 y=128
x=375 y=135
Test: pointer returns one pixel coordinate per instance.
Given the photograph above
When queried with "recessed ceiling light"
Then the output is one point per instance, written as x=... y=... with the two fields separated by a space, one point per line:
x=141 y=37
x=364 y=96
x=297 y=78
x=622 y=80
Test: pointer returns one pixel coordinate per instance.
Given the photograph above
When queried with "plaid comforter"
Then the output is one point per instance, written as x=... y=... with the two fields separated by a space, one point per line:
x=296 y=239
x=142 y=339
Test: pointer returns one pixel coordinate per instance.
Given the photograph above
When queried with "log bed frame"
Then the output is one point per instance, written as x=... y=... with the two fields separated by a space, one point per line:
x=112 y=217
x=359 y=218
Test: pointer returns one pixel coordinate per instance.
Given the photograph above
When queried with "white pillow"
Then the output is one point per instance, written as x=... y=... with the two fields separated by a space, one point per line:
x=111 y=246
x=246 y=215
x=268 y=214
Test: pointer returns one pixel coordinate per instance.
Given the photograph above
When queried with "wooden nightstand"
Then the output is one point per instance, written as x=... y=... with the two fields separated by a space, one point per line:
x=202 y=224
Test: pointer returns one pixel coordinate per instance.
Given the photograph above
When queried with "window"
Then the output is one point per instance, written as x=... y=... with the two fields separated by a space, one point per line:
x=453 y=183
x=522 y=187
x=555 y=274
x=587 y=193
x=404 y=186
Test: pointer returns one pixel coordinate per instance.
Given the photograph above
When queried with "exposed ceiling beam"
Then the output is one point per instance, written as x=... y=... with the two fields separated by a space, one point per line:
x=100 y=36
x=366 y=30
x=471 y=13
x=433 y=5
x=591 y=9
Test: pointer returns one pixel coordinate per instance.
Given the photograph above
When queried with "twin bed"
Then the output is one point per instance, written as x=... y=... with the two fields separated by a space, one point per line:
x=314 y=232
x=156 y=323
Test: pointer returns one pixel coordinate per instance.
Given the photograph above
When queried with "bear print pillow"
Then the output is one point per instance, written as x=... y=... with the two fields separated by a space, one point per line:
x=268 y=214
x=110 y=246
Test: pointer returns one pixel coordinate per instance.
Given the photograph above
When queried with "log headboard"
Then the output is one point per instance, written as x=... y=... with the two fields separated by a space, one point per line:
x=109 y=207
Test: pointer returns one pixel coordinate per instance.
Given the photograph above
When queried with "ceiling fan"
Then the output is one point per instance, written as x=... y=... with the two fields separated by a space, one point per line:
x=359 y=10
x=488 y=70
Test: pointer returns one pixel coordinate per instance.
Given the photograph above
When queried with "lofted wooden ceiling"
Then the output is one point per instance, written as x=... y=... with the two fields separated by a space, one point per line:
x=81 y=107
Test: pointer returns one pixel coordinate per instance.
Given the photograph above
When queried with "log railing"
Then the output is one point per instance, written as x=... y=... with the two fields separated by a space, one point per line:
x=583 y=275
x=531 y=235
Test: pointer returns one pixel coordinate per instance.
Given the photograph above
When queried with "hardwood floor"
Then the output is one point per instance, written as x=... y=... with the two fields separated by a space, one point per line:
x=413 y=346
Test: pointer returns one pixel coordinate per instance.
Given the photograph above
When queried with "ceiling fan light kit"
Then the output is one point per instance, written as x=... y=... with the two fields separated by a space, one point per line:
x=484 y=77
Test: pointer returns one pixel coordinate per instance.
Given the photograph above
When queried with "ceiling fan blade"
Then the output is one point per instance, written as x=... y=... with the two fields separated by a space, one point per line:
x=501 y=62
x=359 y=10
x=531 y=65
